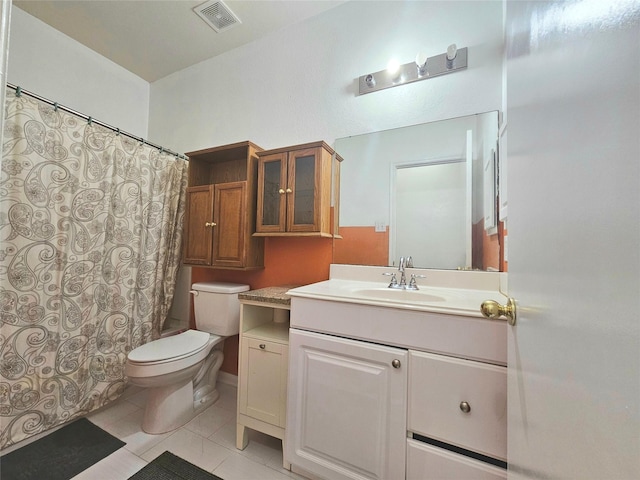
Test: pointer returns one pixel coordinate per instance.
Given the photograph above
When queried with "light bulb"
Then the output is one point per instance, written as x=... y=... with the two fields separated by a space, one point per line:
x=393 y=67
x=452 y=51
x=421 y=63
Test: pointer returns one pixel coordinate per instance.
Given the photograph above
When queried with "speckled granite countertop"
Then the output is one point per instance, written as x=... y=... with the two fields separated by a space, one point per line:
x=277 y=295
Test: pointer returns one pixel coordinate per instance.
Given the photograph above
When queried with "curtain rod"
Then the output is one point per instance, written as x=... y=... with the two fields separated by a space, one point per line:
x=19 y=91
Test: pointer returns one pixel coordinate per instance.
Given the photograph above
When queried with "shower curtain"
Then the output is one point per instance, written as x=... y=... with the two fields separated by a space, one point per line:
x=90 y=237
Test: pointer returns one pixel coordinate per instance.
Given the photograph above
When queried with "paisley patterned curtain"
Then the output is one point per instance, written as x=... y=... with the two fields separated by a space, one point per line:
x=90 y=237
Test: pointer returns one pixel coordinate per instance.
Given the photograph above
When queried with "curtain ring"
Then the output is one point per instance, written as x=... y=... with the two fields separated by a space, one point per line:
x=117 y=132
x=55 y=106
x=18 y=91
x=89 y=120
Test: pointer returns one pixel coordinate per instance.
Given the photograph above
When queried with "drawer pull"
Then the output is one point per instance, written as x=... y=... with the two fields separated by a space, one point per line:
x=262 y=346
x=465 y=407
x=395 y=363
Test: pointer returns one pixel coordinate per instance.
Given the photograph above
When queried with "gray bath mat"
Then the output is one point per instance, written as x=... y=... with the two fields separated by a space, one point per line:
x=171 y=467
x=60 y=455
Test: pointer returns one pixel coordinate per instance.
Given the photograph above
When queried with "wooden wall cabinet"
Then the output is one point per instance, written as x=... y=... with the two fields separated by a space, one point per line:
x=220 y=214
x=296 y=186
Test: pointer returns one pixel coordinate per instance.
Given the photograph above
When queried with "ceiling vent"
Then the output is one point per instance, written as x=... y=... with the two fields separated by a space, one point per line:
x=217 y=15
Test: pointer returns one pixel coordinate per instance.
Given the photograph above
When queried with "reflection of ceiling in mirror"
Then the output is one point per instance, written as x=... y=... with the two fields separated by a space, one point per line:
x=368 y=195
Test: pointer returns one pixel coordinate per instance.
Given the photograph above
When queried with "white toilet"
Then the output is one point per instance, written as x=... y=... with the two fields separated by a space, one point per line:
x=180 y=371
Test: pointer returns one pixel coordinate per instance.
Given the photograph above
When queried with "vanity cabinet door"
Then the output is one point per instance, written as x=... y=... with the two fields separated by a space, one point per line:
x=459 y=402
x=426 y=461
x=346 y=405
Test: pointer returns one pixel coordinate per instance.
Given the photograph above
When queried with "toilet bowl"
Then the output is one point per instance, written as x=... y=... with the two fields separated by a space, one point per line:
x=180 y=371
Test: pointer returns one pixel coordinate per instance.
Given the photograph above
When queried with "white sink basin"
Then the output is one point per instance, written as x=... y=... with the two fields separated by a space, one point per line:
x=440 y=291
x=398 y=295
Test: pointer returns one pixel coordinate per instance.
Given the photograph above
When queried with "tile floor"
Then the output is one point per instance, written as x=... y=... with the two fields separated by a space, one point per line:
x=208 y=441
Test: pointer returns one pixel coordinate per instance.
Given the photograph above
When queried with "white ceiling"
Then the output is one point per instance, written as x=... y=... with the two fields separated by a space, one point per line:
x=154 y=38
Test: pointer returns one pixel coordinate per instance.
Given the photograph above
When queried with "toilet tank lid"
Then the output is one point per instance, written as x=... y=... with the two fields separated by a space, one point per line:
x=220 y=287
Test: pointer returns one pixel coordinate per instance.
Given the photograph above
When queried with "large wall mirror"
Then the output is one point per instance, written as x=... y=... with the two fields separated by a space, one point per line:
x=428 y=191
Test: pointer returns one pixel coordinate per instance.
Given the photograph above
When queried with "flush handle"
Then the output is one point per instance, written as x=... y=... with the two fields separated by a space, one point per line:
x=492 y=309
x=395 y=363
x=465 y=407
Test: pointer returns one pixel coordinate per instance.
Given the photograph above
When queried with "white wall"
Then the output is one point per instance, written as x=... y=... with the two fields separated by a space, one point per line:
x=300 y=84
x=48 y=63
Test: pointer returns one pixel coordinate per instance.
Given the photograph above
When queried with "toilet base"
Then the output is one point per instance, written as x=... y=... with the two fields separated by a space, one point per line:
x=168 y=408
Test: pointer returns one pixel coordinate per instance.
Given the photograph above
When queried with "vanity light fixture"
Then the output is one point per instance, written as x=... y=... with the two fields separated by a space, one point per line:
x=423 y=67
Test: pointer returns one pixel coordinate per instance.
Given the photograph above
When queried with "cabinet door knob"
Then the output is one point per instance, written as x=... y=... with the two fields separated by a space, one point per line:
x=281 y=191
x=210 y=224
x=465 y=407
x=289 y=190
x=395 y=363
x=262 y=346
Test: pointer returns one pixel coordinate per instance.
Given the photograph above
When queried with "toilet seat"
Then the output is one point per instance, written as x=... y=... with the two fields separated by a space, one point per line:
x=171 y=349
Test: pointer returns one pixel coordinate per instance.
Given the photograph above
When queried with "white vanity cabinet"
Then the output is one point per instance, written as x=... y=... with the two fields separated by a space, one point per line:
x=441 y=414
x=348 y=404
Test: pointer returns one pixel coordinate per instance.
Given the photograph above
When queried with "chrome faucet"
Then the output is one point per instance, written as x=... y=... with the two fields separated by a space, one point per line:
x=402 y=264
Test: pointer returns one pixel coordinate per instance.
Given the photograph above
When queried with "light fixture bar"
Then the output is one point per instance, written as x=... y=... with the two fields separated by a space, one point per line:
x=411 y=72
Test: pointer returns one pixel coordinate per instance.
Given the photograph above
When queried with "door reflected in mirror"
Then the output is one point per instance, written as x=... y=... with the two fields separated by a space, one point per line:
x=428 y=191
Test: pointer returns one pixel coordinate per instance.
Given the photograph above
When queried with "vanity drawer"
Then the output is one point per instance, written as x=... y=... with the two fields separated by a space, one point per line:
x=427 y=461
x=460 y=402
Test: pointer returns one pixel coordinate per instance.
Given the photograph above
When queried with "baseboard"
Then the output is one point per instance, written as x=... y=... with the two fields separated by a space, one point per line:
x=228 y=379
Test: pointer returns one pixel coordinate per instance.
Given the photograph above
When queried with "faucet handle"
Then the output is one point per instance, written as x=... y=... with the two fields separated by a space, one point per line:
x=412 y=283
x=394 y=280
x=409 y=262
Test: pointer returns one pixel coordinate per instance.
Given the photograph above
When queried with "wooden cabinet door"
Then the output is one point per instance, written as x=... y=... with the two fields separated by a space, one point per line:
x=198 y=231
x=272 y=193
x=303 y=180
x=347 y=406
x=230 y=217
x=263 y=380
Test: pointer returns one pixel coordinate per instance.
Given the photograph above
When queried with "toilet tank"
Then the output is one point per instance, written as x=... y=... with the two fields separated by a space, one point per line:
x=216 y=307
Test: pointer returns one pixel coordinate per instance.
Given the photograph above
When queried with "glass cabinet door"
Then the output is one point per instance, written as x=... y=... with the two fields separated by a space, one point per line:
x=301 y=208
x=271 y=193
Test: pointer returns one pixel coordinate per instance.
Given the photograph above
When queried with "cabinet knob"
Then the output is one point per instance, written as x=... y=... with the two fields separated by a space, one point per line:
x=465 y=407
x=395 y=363
x=262 y=346
x=210 y=224
x=289 y=190
x=281 y=191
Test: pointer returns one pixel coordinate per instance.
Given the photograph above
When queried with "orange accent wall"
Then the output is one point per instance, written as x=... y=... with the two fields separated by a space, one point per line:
x=287 y=261
x=486 y=248
x=362 y=246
